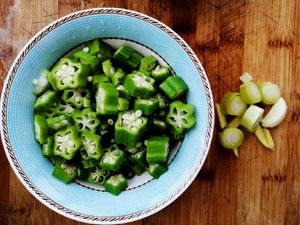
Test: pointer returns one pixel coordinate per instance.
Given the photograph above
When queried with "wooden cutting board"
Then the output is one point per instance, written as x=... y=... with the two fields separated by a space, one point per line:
x=230 y=37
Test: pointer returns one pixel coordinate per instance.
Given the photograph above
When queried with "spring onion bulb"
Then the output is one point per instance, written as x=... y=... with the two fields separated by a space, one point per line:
x=252 y=117
x=276 y=114
x=232 y=104
x=246 y=77
x=264 y=136
x=221 y=117
x=270 y=92
x=232 y=138
x=235 y=122
x=250 y=93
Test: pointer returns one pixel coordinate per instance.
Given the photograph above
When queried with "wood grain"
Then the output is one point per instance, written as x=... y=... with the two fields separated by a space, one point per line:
x=258 y=36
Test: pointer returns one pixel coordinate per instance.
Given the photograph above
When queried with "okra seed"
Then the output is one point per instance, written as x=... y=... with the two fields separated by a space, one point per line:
x=125 y=116
x=139 y=144
x=138 y=113
x=110 y=122
x=85 y=49
x=77 y=99
x=63 y=166
x=90 y=79
x=103 y=132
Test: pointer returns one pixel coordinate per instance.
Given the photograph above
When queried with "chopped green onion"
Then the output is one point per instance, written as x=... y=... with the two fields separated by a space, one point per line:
x=269 y=139
x=235 y=122
x=221 y=116
x=250 y=93
x=259 y=133
x=232 y=138
x=252 y=117
x=232 y=104
x=270 y=92
x=264 y=136
x=246 y=77
x=276 y=114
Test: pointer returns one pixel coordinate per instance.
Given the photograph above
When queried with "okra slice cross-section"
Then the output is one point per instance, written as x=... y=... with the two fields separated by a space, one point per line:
x=86 y=120
x=92 y=145
x=68 y=73
x=64 y=172
x=148 y=106
x=64 y=108
x=77 y=97
x=181 y=117
x=112 y=160
x=116 y=184
x=139 y=85
x=130 y=127
x=97 y=176
x=67 y=142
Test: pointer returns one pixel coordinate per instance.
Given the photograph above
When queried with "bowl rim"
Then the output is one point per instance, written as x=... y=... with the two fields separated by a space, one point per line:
x=10 y=153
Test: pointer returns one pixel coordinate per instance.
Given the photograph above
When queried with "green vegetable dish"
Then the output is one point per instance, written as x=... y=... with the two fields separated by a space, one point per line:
x=104 y=115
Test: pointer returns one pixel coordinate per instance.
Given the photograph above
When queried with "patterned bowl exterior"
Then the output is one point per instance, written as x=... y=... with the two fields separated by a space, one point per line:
x=23 y=153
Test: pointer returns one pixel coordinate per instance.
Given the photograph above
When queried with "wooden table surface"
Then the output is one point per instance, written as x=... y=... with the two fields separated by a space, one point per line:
x=229 y=37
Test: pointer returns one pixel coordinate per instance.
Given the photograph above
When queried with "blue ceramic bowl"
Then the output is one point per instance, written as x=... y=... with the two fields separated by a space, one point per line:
x=79 y=201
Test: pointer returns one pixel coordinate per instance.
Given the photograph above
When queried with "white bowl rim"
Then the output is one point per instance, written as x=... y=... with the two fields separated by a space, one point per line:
x=22 y=176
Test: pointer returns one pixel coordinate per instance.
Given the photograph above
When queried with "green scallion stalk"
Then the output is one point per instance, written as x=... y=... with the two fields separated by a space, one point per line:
x=235 y=122
x=270 y=92
x=221 y=117
x=232 y=138
x=252 y=117
x=232 y=104
x=250 y=93
x=264 y=136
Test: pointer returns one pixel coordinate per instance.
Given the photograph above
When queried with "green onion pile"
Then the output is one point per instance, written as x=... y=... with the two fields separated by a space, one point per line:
x=246 y=109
